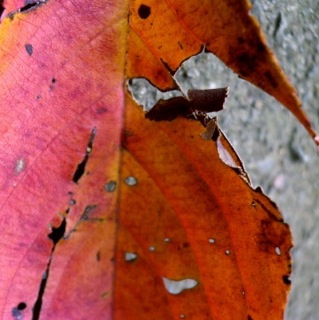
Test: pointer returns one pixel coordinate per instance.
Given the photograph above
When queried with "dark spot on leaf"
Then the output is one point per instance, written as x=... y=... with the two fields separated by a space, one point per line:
x=186 y=245
x=53 y=81
x=57 y=233
x=81 y=166
x=86 y=213
x=271 y=79
x=101 y=110
x=286 y=279
x=241 y=40
x=29 y=49
x=246 y=63
x=249 y=318
x=180 y=45
x=167 y=66
x=144 y=11
x=98 y=256
x=261 y=48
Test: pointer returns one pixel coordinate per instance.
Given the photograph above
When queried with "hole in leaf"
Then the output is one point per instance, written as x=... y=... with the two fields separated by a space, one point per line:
x=20 y=165
x=167 y=240
x=130 y=181
x=151 y=248
x=182 y=316
x=286 y=279
x=130 y=256
x=1 y=7
x=211 y=240
x=144 y=11
x=38 y=304
x=110 y=186
x=57 y=233
x=86 y=213
x=177 y=286
x=81 y=166
x=29 y=49
x=31 y=5
x=146 y=95
x=227 y=252
x=278 y=251
x=21 y=306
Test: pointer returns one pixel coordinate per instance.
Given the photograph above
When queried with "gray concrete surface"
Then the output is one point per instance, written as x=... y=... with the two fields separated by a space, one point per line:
x=277 y=152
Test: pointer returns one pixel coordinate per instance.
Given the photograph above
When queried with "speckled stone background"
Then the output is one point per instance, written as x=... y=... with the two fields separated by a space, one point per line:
x=277 y=152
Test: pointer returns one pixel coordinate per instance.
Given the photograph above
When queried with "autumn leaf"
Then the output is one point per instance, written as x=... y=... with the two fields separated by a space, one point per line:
x=225 y=28
x=62 y=106
x=108 y=215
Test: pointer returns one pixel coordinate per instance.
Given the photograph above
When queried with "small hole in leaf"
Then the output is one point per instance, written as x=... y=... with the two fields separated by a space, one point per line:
x=151 y=248
x=20 y=165
x=110 y=186
x=182 y=316
x=227 y=252
x=167 y=240
x=144 y=11
x=130 y=181
x=177 y=286
x=29 y=49
x=21 y=306
x=130 y=256
x=211 y=240
x=82 y=165
x=286 y=279
x=278 y=251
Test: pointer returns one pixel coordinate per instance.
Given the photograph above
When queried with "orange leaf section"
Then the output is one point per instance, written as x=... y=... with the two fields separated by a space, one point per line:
x=173 y=30
x=61 y=96
x=188 y=215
